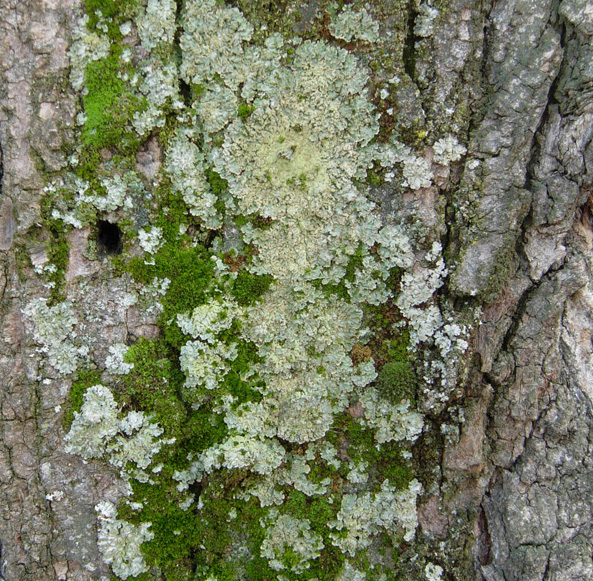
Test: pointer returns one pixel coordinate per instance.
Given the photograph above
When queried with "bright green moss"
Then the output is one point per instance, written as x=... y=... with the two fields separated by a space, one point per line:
x=153 y=384
x=109 y=105
x=190 y=272
x=219 y=531
x=219 y=185
x=248 y=288
x=233 y=382
x=244 y=111
x=374 y=178
x=176 y=532
x=319 y=511
x=113 y=12
x=173 y=213
x=86 y=378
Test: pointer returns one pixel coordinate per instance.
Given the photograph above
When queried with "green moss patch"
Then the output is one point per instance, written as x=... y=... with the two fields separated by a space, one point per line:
x=190 y=271
x=109 y=105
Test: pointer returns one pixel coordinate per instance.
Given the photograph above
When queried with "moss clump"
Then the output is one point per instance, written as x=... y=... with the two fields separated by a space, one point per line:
x=112 y=12
x=109 y=104
x=153 y=384
x=244 y=111
x=248 y=288
x=190 y=272
x=397 y=381
x=219 y=185
x=319 y=511
x=283 y=16
x=385 y=461
x=57 y=251
x=176 y=533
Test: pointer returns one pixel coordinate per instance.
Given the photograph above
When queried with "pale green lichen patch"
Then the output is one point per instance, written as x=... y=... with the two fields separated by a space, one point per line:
x=264 y=260
x=290 y=544
x=156 y=25
x=350 y=24
x=120 y=542
x=212 y=42
x=54 y=328
x=186 y=167
x=363 y=515
x=98 y=431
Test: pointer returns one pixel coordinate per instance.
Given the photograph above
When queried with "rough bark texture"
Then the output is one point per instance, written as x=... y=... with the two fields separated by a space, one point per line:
x=511 y=494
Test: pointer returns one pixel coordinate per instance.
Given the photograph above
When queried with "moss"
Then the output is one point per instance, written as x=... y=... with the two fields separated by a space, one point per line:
x=374 y=177
x=173 y=213
x=113 y=11
x=86 y=378
x=219 y=185
x=233 y=382
x=385 y=461
x=244 y=111
x=176 y=533
x=218 y=532
x=397 y=381
x=190 y=271
x=22 y=261
x=270 y=16
x=355 y=263
x=109 y=104
x=389 y=340
x=153 y=384
x=89 y=161
x=505 y=264
x=319 y=511
x=248 y=288
x=57 y=250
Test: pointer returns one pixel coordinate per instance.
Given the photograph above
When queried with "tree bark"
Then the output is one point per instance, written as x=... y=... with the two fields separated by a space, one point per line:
x=506 y=461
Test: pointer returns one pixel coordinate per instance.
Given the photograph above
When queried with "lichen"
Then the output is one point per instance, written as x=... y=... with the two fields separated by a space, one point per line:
x=87 y=47
x=427 y=14
x=98 y=431
x=290 y=544
x=363 y=515
x=55 y=330
x=264 y=260
x=185 y=165
x=120 y=541
x=448 y=149
x=157 y=24
x=352 y=24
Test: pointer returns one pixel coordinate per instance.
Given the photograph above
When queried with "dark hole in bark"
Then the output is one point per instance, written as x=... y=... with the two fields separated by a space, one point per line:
x=109 y=237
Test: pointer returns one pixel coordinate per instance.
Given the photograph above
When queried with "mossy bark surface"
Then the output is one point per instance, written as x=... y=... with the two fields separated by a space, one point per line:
x=504 y=455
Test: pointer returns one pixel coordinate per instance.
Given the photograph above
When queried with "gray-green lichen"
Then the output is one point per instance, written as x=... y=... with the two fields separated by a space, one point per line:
x=55 y=329
x=350 y=24
x=120 y=542
x=98 y=431
x=269 y=155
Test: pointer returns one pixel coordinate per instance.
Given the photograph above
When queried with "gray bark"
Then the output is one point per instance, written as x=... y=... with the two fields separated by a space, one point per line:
x=511 y=496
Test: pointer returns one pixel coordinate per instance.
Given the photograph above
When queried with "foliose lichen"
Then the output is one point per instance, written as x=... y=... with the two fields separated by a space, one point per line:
x=263 y=258
x=350 y=24
x=120 y=542
x=55 y=330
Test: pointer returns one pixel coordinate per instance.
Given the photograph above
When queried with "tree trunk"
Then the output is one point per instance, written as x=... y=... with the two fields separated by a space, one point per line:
x=504 y=457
